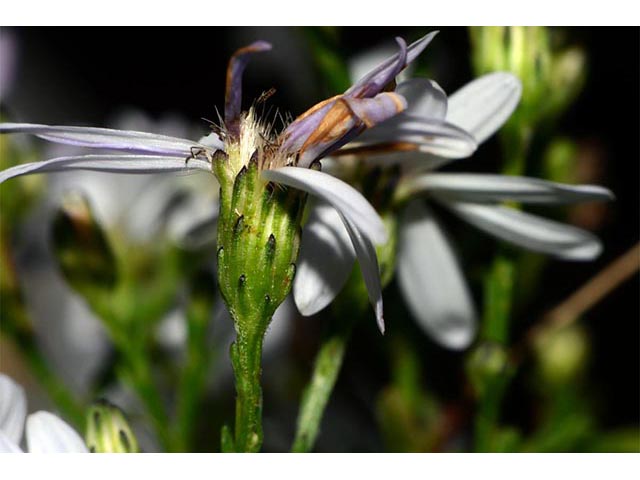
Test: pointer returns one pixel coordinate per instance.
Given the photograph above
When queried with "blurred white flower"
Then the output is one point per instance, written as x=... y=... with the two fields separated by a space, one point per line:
x=142 y=209
x=45 y=432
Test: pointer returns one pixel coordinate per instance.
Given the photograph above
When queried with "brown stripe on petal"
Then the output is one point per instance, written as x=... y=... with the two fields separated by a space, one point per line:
x=398 y=100
x=337 y=122
x=315 y=108
x=377 y=149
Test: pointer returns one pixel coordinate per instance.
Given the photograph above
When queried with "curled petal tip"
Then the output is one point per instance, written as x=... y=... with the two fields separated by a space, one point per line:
x=259 y=46
x=233 y=93
x=381 y=326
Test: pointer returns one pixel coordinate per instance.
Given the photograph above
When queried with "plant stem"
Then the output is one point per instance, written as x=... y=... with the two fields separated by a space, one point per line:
x=498 y=291
x=194 y=374
x=498 y=297
x=246 y=356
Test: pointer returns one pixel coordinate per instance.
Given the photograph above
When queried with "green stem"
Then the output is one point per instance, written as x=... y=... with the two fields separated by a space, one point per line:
x=498 y=292
x=246 y=356
x=316 y=394
x=193 y=379
x=137 y=370
x=125 y=319
x=498 y=295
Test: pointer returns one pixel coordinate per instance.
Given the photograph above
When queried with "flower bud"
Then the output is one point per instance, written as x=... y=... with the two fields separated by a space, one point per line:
x=81 y=247
x=523 y=51
x=488 y=366
x=108 y=430
x=561 y=354
x=567 y=77
x=550 y=79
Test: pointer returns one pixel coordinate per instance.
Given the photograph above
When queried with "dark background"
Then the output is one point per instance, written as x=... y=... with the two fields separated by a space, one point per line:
x=85 y=75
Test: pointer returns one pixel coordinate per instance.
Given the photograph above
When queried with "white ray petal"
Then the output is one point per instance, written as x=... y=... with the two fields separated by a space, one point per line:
x=368 y=262
x=431 y=281
x=411 y=135
x=109 y=163
x=13 y=408
x=325 y=261
x=469 y=187
x=530 y=231
x=107 y=138
x=47 y=433
x=424 y=98
x=482 y=106
x=7 y=445
x=212 y=141
x=344 y=198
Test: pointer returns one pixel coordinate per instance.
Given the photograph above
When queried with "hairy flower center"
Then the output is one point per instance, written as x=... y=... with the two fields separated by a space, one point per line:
x=257 y=143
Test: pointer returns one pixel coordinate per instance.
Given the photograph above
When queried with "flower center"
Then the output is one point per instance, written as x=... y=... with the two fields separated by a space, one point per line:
x=257 y=144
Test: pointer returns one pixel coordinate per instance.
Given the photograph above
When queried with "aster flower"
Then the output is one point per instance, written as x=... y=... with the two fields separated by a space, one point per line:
x=313 y=135
x=428 y=272
x=45 y=432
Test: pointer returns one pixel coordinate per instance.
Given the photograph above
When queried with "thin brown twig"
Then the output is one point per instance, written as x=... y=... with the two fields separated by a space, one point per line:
x=592 y=292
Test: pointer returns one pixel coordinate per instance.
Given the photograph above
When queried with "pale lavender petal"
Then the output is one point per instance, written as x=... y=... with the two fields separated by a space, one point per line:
x=325 y=261
x=109 y=163
x=530 y=231
x=233 y=94
x=368 y=262
x=332 y=123
x=407 y=136
x=47 y=433
x=482 y=106
x=481 y=188
x=344 y=198
x=13 y=408
x=431 y=281
x=345 y=120
x=125 y=140
x=7 y=445
x=373 y=83
x=302 y=127
x=424 y=97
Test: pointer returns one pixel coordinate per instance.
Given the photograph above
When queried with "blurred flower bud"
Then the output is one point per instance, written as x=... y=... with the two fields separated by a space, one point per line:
x=523 y=51
x=81 y=247
x=561 y=354
x=488 y=366
x=108 y=430
x=567 y=77
x=550 y=80
x=559 y=161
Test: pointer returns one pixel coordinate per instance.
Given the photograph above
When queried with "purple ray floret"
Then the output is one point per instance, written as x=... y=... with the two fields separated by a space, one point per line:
x=233 y=94
x=374 y=81
x=334 y=122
